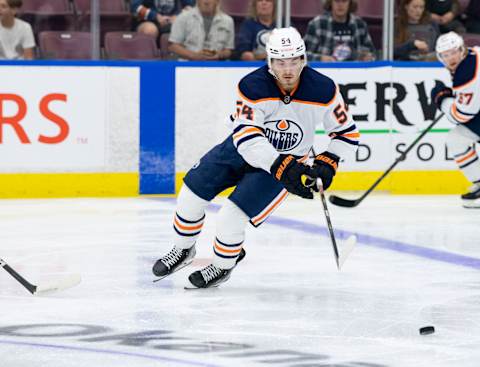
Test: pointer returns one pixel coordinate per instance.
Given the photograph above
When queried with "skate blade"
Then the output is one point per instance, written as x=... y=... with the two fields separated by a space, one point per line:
x=179 y=268
x=475 y=205
x=192 y=287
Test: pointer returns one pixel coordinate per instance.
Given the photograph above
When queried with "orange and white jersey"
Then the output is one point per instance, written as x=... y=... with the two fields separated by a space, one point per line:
x=268 y=121
x=464 y=108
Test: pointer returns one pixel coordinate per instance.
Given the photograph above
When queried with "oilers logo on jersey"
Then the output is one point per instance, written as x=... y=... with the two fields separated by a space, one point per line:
x=284 y=135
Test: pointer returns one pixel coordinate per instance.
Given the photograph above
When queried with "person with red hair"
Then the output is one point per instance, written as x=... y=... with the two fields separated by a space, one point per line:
x=415 y=33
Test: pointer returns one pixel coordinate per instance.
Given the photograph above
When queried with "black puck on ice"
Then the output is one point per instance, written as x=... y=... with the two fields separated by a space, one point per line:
x=427 y=330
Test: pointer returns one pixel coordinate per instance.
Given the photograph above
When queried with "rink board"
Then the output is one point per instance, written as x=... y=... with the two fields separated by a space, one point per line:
x=69 y=130
x=369 y=88
x=127 y=128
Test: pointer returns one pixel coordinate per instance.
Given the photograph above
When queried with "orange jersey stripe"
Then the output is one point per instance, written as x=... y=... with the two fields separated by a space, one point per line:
x=469 y=155
x=318 y=103
x=351 y=135
x=457 y=114
x=285 y=92
x=275 y=204
x=258 y=100
x=294 y=100
x=221 y=249
x=249 y=130
x=187 y=228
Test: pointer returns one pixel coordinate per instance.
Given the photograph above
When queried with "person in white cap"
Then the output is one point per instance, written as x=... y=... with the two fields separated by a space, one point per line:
x=461 y=105
x=278 y=109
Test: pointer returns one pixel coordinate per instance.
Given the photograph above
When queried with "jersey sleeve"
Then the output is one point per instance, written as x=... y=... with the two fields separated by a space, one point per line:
x=249 y=133
x=340 y=127
x=466 y=86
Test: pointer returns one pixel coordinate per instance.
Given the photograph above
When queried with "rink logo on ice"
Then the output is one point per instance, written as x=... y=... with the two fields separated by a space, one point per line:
x=284 y=135
x=75 y=335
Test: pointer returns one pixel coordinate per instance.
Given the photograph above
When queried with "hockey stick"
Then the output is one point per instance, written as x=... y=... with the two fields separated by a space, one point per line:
x=65 y=283
x=349 y=243
x=336 y=200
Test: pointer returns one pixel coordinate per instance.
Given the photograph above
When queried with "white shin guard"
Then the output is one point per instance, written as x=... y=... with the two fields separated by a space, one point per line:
x=231 y=224
x=189 y=217
x=460 y=141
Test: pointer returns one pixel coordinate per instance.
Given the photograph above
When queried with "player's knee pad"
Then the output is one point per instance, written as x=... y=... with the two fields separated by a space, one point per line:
x=459 y=139
x=189 y=205
x=231 y=223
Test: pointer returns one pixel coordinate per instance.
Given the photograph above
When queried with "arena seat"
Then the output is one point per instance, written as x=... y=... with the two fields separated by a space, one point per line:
x=471 y=39
x=304 y=11
x=371 y=11
x=164 y=52
x=48 y=15
x=235 y=8
x=106 y=6
x=130 y=46
x=463 y=4
x=65 y=45
x=114 y=16
x=376 y=33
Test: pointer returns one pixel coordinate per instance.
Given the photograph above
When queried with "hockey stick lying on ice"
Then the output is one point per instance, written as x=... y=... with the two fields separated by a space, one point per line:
x=351 y=241
x=353 y=203
x=67 y=282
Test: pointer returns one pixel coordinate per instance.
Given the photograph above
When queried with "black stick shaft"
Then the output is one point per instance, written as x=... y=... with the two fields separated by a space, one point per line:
x=402 y=156
x=329 y=226
x=31 y=288
x=351 y=203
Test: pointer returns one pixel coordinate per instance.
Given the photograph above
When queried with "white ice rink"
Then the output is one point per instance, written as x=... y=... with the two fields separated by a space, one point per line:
x=417 y=263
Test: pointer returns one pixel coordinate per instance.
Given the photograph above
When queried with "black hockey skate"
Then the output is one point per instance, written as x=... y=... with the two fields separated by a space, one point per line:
x=211 y=276
x=472 y=198
x=173 y=261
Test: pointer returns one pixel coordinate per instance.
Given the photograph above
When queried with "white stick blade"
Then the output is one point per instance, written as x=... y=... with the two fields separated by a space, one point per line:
x=65 y=283
x=346 y=249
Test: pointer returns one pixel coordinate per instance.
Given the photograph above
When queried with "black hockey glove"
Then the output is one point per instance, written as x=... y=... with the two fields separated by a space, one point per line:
x=439 y=93
x=324 y=167
x=289 y=172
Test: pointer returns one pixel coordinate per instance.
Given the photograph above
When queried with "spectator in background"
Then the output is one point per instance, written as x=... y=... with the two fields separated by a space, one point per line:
x=415 y=33
x=472 y=15
x=203 y=33
x=444 y=13
x=154 y=17
x=16 y=36
x=254 y=31
x=338 y=34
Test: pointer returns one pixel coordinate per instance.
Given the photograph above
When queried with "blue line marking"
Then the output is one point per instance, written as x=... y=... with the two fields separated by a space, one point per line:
x=107 y=351
x=367 y=240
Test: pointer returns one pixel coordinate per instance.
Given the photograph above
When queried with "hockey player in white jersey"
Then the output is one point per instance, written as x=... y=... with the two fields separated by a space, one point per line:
x=461 y=105
x=278 y=109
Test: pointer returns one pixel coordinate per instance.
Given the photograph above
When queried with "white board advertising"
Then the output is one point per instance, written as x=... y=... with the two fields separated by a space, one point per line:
x=55 y=118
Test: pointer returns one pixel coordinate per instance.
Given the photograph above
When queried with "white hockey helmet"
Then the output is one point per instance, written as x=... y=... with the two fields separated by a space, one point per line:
x=285 y=43
x=449 y=41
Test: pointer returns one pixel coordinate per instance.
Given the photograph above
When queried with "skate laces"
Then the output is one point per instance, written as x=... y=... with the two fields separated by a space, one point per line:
x=210 y=272
x=172 y=257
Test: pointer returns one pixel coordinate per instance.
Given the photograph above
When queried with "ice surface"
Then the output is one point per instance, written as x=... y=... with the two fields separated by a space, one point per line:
x=416 y=263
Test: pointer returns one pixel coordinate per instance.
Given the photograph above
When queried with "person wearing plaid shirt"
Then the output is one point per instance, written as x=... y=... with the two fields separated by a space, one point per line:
x=338 y=34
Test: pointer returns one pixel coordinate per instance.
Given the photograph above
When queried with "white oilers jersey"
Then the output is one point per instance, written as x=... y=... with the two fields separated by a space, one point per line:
x=464 y=108
x=268 y=121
